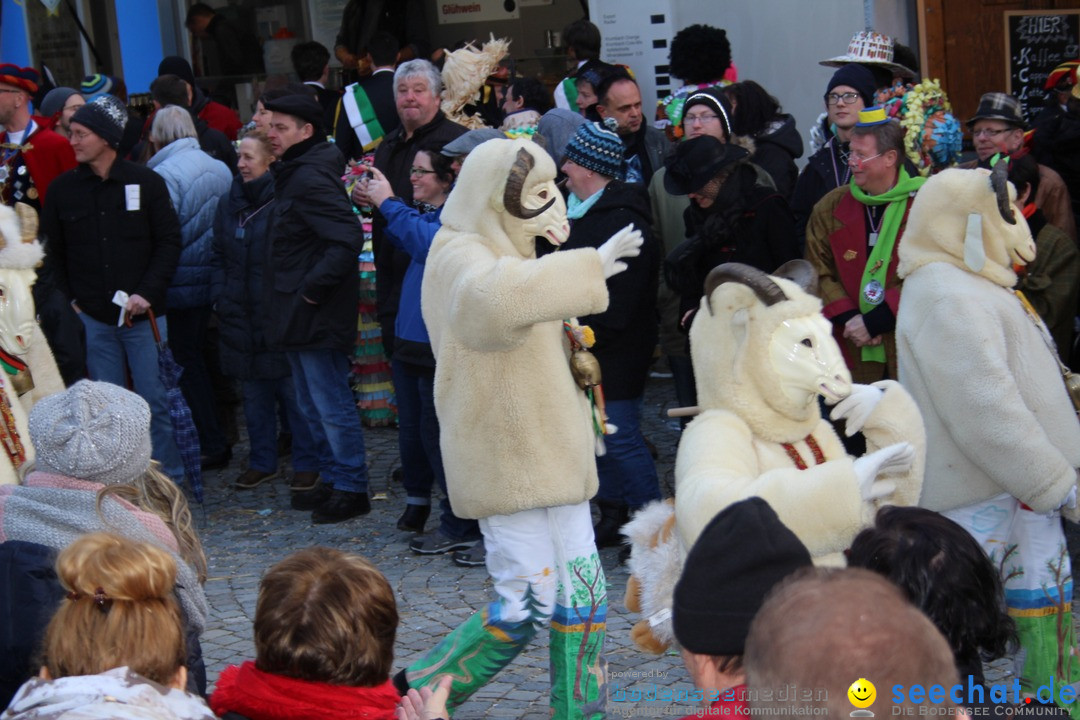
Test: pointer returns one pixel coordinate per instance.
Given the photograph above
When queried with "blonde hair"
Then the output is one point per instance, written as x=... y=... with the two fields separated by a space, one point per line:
x=326 y=616
x=155 y=492
x=261 y=139
x=120 y=610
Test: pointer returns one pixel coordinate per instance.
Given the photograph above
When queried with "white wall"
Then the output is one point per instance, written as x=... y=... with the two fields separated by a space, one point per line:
x=777 y=43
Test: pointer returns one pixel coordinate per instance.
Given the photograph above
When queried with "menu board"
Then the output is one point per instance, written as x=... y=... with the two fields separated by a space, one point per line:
x=1036 y=43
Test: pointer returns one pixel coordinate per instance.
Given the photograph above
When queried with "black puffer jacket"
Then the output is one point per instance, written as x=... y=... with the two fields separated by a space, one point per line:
x=315 y=241
x=626 y=332
x=238 y=262
x=778 y=146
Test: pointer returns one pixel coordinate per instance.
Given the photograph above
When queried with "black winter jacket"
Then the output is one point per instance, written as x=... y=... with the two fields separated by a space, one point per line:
x=777 y=147
x=99 y=242
x=825 y=170
x=238 y=262
x=748 y=223
x=315 y=240
x=394 y=158
x=626 y=332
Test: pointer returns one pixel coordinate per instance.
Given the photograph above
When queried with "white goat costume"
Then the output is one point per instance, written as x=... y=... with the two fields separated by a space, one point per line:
x=516 y=434
x=735 y=449
x=1001 y=428
x=20 y=335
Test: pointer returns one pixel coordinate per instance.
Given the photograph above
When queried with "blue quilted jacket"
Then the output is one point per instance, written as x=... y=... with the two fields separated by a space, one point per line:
x=196 y=182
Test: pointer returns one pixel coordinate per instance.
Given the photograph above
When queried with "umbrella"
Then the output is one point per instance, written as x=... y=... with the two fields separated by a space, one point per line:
x=184 y=432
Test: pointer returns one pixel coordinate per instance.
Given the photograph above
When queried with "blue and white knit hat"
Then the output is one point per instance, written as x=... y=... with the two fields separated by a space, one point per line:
x=598 y=149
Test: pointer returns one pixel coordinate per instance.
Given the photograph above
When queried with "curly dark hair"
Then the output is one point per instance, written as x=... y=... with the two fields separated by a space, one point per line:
x=699 y=54
x=533 y=92
x=945 y=573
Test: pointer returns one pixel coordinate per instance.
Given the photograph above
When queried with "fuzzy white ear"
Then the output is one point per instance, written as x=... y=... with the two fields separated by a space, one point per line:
x=974 y=252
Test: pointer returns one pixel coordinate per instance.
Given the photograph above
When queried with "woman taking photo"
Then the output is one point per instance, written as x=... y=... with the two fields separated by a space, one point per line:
x=412 y=230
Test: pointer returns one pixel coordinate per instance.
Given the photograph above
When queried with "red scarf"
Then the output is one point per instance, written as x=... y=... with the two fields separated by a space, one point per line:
x=260 y=695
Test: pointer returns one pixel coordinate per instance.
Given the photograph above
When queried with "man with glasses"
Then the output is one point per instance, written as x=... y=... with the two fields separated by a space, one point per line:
x=33 y=156
x=851 y=239
x=850 y=90
x=998 y=127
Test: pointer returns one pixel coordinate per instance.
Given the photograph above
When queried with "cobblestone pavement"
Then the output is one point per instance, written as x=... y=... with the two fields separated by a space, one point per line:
x=245 y=532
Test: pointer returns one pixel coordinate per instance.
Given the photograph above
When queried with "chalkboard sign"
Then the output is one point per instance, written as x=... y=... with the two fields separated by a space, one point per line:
x=1036 y=43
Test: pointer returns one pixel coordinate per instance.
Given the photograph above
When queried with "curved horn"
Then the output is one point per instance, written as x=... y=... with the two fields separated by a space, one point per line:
x=999 y=178
x=515 y=184
x=28 y=222
x=802 y=273
x=764 y=287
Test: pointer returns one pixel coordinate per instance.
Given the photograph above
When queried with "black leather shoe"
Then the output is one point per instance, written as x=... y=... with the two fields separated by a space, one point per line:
x=312 y=498
x=414 y=517
x=341 y=505
x=217 y=461
x=608 y=530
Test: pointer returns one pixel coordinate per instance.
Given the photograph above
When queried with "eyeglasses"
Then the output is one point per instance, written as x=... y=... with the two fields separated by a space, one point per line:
x=836 y=98
x=987 y=132
x=702 y=119
x=857 y=162
x=418 y=172
x=79 y=135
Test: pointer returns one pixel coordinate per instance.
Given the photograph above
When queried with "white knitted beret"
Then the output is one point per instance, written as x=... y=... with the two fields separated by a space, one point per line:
x=92 y=431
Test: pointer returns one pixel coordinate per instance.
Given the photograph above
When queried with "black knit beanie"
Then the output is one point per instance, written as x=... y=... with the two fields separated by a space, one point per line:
x=105 y=116
x=741 y=554
x=857 y=77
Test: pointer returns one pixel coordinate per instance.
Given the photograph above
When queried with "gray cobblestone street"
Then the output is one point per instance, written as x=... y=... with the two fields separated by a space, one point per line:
x=244 y=532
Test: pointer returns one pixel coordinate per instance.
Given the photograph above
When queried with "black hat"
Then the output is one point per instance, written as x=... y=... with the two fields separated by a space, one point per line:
x=715 y=98
x=741 y=554
x=856 y=77
x=697 y=161
x=305 y=107
x=999 y=106
x=178 y=66
x=106 y=117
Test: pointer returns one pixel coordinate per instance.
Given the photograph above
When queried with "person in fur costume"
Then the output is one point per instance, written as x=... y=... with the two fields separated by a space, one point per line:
x=29 y=368
x=1003 y=438
x=763 y=353
x=517 y=435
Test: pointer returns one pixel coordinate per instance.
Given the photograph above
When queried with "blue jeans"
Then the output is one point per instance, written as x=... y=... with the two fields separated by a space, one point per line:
x=627 y=472
x=418 y=444
x=110 y=351
x=264 y=401
x=188 y=337
x=325 y=399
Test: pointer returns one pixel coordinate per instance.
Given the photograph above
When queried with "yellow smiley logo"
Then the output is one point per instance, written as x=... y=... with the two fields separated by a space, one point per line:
x=862 y=693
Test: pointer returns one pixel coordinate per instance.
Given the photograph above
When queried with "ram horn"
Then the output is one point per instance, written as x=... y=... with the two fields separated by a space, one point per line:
x=999 y=179
x=764 y=287
x=28 y=222
x=802 y=273
x=515 y=185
